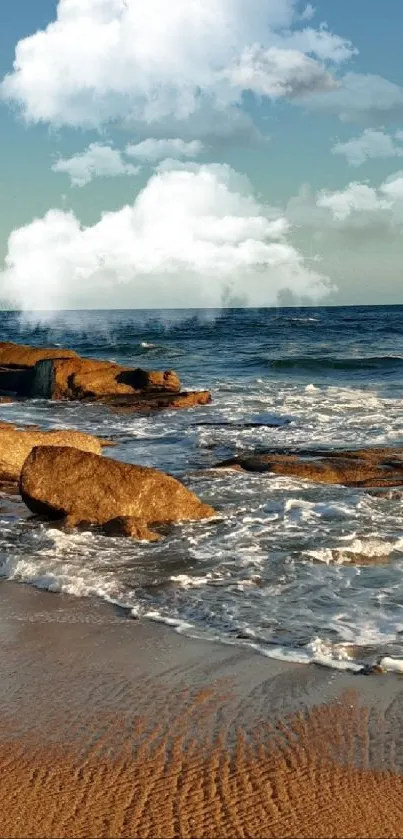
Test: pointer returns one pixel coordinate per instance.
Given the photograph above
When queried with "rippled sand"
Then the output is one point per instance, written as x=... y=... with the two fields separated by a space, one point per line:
x=112 y=728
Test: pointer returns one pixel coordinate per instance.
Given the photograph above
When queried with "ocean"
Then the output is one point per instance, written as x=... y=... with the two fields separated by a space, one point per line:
x=297 y=570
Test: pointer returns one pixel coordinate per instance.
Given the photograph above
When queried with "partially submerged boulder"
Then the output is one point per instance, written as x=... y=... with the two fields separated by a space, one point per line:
x=16 y=444
x=88 y=489
x=141 y=402
x=87 y=378
x=365 y=468
x=31 y=372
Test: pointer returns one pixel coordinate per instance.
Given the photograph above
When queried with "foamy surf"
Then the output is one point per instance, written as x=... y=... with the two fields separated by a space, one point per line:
x=309 y=572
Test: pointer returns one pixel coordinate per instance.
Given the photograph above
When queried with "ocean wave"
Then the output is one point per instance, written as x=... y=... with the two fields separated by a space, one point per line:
x=323 y=364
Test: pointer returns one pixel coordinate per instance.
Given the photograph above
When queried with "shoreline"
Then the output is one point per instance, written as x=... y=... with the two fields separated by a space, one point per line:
x=115 y=727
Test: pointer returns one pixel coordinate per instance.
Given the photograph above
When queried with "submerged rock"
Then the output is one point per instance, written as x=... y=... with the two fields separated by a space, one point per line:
x=129 y=526
x=16 y=444
x=158 y=401
x=88 y=489
x=365 y=468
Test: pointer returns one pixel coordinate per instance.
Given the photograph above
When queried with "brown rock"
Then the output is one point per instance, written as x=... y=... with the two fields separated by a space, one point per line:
x=58 y=482
x=17 y=443
x=158 y=401
x=363 y=468
x=20 y=355
x=62 y=374
x=129 y=526
x=87 y=378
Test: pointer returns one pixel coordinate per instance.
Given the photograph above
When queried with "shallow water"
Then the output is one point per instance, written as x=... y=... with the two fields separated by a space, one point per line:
x=296 y=569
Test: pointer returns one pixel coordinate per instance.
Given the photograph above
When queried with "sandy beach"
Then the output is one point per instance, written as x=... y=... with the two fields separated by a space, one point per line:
x=117 y=728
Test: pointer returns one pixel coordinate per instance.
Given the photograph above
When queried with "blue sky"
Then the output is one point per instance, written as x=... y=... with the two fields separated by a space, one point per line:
x=307 y=103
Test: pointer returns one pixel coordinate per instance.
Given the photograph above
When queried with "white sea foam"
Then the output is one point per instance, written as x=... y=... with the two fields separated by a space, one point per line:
x=391 y=665
x=289 y=559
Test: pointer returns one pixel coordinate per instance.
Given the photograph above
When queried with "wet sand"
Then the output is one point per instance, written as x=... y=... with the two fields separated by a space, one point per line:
x=117 y=728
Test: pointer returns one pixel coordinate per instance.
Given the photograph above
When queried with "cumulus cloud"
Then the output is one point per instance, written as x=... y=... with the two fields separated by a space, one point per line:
x=153 y=149
x=108 y=60
x=369 y=145
x=359 y=239
x=191 y=238
x=97 y=161
x=322 y=43
x=385 y=202
x=276 y=73
x=356 y=197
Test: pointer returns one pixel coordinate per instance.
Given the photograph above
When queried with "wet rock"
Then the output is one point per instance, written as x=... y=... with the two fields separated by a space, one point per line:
x=30 y=372
x=59 y=481
x=370 y=670
x=361 y=468
x=86 y=378
x=143 y=403
x=16 y=444
x=129 y=526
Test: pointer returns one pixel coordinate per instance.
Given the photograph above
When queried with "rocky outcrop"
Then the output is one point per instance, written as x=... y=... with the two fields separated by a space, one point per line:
x=87 y=378
x=17 y=363
x=158 y=401
x=20 y=355
x=29 y=372
x=88 y=489
x=365 y=468
x=16 y=444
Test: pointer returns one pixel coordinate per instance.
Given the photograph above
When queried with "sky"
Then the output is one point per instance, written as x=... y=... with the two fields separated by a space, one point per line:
x=200 y=153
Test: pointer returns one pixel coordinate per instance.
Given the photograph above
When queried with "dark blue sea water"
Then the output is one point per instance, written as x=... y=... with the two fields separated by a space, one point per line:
x=299 y=570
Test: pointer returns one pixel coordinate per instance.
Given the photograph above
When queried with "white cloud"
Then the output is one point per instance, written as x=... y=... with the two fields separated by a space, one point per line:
x=382 y=205
x=308 y=13
x=277 y=73
x=355 y=198
x=361 y=98
x=321 y=43
x=370 y=144
x=97 y=161
x=153 y=149
x=106 y=60
x=191 y=238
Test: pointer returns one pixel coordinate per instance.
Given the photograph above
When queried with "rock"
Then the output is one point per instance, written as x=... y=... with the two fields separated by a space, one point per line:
x=20 y=355
x=17 y=443
x=87 y=378
x=30 y=372
x=361 y=468
x=60 y=481
x=158 y=401
x=17 y=363
x=129 y=526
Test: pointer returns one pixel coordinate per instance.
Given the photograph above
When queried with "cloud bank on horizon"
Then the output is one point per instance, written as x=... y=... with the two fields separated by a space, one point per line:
x=177 y=78
x=195 y=235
